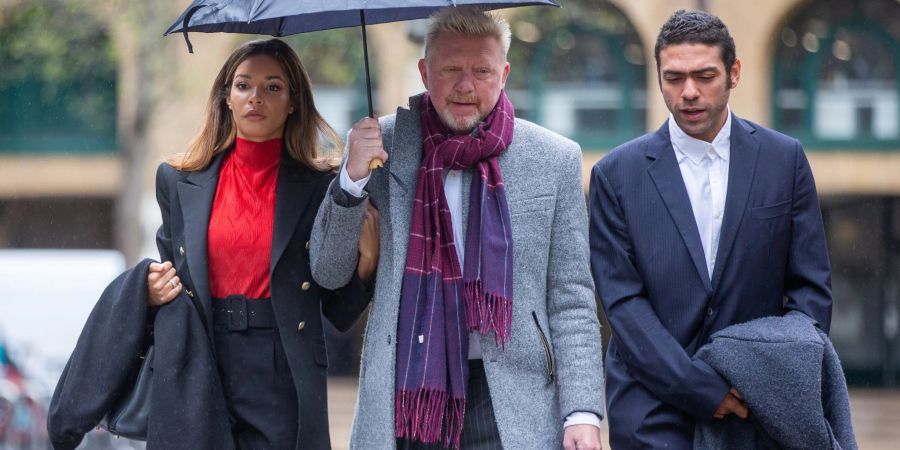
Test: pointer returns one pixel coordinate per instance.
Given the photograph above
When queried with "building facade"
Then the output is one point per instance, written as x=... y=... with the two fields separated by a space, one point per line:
x=95 y=99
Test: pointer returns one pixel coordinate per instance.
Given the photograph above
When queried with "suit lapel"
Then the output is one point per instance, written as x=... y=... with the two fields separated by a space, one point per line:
x=667 y=177
x=196 y=195
x=741 y=168
x=405 y=157
x=292 y=195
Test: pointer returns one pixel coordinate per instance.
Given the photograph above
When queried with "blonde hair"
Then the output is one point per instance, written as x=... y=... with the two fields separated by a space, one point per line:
x=302 y=130
x=468 y=21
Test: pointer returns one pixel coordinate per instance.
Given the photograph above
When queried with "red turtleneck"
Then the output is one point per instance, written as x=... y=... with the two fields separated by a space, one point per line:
x=242 y=219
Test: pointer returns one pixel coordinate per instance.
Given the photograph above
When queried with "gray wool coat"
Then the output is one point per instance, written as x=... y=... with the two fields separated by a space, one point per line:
x=552 y=365
x=791 y=379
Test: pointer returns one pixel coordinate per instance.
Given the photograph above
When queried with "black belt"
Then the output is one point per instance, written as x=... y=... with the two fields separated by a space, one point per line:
x=237 y=313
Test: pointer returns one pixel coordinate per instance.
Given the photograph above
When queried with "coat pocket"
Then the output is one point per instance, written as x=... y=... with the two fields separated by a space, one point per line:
x=546 y=345
x=530 y=205
x=772 y=211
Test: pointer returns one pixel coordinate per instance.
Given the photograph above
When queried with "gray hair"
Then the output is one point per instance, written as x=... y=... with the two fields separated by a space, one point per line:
x=468 y=21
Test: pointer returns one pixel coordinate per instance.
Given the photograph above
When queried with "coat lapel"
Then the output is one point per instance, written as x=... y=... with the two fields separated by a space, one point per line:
x=292 y=195
x=405 y=157
x=668 y=180
x=196 y=193
x=741 y=168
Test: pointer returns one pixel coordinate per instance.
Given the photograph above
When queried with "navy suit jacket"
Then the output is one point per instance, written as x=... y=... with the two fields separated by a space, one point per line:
x=649 y=267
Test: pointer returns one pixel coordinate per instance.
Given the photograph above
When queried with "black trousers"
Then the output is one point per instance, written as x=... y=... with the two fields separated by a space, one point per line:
x=259 y=389
x=479 y=425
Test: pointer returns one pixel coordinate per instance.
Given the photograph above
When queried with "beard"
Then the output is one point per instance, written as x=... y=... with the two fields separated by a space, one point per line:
x=461 y=125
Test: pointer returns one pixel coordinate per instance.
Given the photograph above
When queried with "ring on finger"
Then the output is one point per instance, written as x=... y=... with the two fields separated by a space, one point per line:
x=173 y=283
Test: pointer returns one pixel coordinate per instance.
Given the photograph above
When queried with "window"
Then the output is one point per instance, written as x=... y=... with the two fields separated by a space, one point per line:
x=836 y=67
x=579 y=71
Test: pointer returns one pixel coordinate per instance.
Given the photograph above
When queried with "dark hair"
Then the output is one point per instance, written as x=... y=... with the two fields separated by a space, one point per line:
x=302 y=130
x=696 y=27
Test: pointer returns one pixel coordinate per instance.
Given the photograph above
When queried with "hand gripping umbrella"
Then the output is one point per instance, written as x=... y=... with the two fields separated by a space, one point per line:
x=287 y=17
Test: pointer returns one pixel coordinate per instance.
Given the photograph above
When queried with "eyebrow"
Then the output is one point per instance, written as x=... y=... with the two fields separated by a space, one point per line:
x=270 y=77
x=693 y=72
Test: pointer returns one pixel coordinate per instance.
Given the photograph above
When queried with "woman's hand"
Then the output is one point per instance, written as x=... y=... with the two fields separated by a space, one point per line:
x=368 y=245
x=162 y=284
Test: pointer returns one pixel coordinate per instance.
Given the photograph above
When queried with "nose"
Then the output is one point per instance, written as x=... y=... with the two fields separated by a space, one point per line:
x=690 y=91
x=466 y=82
x=255 y=98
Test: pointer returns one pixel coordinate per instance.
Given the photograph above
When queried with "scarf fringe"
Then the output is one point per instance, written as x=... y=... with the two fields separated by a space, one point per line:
x=486 y=312
x=420 y=413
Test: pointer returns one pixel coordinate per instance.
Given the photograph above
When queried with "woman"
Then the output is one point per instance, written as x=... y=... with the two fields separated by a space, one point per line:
x=237 y=211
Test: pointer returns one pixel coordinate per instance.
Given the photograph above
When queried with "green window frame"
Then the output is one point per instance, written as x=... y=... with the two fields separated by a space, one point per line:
x=578 y=22
x=811 y=66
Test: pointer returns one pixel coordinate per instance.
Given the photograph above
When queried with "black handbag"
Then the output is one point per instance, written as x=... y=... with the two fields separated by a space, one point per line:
x=128 y=419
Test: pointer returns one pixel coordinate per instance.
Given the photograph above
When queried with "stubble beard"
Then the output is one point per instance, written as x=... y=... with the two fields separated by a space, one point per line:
x=460 y=125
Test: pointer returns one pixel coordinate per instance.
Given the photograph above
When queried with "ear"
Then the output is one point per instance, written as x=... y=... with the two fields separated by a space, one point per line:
x=735 y=74
x=505 y=75
x=423 y=71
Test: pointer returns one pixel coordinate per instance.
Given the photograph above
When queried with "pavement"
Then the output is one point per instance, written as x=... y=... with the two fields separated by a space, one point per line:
x=876 y=415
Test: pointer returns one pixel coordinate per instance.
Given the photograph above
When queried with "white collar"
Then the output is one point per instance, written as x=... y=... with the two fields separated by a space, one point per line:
x=694 y=149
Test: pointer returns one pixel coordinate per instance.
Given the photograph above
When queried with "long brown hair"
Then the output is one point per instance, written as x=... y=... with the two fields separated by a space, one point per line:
x=302 y=129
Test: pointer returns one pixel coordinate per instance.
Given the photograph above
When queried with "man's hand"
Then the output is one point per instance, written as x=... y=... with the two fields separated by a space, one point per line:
x=732 y=404
x=582 y=437
x=364 y=146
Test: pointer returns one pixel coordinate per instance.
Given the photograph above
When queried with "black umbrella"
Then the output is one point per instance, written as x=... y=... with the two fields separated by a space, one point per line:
x=287 y=17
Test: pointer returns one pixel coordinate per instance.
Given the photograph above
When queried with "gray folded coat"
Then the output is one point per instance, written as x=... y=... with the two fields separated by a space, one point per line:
x=790 y=377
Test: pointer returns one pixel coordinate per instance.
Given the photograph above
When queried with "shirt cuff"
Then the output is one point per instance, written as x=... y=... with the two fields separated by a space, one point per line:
x=354 y=188
x=582 y=418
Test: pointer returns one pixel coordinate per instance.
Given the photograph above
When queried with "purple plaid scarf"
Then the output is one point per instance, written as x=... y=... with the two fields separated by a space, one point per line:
x=439 y=302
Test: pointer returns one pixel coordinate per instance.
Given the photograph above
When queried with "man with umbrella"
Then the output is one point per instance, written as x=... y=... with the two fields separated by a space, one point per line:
x=483 y=332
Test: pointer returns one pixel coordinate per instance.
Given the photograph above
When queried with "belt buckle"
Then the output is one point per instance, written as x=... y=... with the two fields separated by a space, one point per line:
x=237 y=313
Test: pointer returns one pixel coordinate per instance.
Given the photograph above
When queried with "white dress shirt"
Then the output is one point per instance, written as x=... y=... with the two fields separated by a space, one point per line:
x=704 y=168
x=453 y=193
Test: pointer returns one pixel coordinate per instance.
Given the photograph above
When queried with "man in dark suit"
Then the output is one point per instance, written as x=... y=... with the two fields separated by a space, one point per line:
x=709 y=221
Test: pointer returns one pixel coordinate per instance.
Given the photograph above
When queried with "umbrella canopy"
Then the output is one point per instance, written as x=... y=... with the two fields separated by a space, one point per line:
x=284 y=18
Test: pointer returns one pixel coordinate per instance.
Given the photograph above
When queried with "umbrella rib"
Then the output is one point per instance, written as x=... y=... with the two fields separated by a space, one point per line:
x=184 y=26
x=254 y=10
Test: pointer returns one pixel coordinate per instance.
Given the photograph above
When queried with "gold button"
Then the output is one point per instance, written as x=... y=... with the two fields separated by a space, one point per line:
x=305 y=286
x=181 y=250
x=307 y=245
x=301 y=325
x=189 y=293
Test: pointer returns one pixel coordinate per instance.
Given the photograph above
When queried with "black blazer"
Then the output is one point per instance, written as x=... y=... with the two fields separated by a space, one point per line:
x=185 y=200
